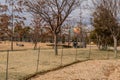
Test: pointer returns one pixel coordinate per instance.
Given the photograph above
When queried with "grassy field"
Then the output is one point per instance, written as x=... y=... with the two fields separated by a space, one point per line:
x=6 y=45
x=24 y=63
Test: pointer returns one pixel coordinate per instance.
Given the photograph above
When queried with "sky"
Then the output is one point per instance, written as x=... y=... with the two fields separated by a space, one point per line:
x=85 y=14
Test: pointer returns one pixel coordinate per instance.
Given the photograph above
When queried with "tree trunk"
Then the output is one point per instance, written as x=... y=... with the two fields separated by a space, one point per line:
x=55 y=44
x=115 y=45
x=35 y=46
x=98 y=43
x=69 y=39
x=98 y=46
x=12 y=43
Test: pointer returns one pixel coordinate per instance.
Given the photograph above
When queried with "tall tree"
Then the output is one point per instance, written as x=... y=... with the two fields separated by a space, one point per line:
x=37 y=25
x=53 y=12
x=19 y=31
x=27 y=33
x=14 y=10
x=112 y=8
x=4 y=22
x=101 y=30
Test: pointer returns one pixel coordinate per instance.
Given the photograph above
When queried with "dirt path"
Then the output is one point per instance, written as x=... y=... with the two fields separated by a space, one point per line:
x=89 y=70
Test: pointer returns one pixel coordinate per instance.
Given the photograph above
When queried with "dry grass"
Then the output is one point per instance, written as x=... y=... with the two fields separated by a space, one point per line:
x=23 y=63
x=6 y=45
x=89 y=70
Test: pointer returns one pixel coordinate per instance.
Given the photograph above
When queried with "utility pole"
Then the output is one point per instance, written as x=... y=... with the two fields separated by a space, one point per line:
x=12 y=26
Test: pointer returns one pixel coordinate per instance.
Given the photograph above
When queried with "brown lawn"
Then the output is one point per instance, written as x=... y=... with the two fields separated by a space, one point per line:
x=89 y=70
x=6 y=45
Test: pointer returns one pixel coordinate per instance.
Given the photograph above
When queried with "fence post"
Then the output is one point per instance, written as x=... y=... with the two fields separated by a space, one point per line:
x=76 y=55
x=89 y=49
x=7 y=65
x=38 y=60
x=49 y=58
x=62 y=55
x=108 y=53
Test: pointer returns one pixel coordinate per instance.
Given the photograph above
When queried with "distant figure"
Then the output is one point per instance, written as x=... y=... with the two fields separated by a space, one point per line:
x=20 y=45
x=75 y=44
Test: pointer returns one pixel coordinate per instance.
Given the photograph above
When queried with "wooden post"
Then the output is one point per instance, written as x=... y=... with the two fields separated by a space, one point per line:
x=76 y=50
x=89 y=48
x=38 y=59
x=108 y=53
x=76 y=55
x=7 y=65
x=62 y=56
x=49 y=58
x=12 y=44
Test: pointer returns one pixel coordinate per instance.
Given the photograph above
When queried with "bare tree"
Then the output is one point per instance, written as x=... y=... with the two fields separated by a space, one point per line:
x=53 y=12
x=113 y=11
x=37 y=24
x=14 y=10
x=4 y=22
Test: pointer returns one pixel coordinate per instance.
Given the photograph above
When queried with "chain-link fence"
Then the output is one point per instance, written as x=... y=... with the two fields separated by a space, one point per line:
x=15 y=65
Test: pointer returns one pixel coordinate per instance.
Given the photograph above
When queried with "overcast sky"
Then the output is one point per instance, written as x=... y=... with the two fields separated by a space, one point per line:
x=86 y=14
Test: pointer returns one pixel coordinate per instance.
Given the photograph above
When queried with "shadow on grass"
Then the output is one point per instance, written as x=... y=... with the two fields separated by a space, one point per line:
x=28 y=77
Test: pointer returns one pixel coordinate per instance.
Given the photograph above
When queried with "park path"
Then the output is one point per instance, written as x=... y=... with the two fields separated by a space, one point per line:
x=89 y=70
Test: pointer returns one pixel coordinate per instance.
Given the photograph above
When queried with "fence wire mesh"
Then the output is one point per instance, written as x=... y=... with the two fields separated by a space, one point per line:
x=28 y=62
